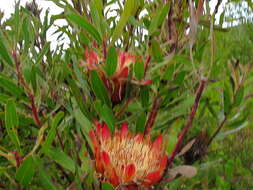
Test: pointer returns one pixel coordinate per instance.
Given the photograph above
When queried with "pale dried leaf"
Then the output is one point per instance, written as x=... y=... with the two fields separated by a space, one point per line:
x=186 y=171
x=186 y=147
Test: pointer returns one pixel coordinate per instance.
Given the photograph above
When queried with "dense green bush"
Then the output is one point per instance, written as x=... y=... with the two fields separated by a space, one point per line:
x=187 y=77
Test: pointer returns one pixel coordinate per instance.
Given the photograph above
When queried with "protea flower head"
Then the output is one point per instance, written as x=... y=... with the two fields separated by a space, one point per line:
x=126 y=160
x=115 y=84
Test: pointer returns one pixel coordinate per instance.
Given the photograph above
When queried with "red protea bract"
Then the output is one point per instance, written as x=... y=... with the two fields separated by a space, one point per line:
x=128 y=160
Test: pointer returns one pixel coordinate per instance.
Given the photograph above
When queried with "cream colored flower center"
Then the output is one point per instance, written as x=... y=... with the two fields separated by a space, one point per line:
x=126 y=151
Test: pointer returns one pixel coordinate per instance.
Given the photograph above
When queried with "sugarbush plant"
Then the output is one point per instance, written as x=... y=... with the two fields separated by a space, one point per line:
x=134 y=95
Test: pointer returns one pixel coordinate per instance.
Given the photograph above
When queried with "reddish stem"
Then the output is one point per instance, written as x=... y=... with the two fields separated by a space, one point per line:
x=151 y=118
x=146 y=64
x=29 y=92
x=189 y=122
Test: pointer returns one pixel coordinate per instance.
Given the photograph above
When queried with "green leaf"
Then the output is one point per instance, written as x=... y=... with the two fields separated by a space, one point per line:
x=11 y=87
x=239 y=96
x=226 y=100
x=99 y=88
x=128 y=10
x=78 y=96
x=144 y=93
x=107 y=186
x=180 y=78
x=141 y=123
x=61 y=158
x=82 y=120
x=11 y=122
x=99 y=7
x=173 y=135
x=139 y=70
x=25 y=172
x=111 y=61
x=4 y=98
x=169 y=73
x=108 y=117
x=43 y=52
x=3 y=51
x=156 y=51
x=80 y=21
x=52 y=132
x=44 y=178
x=26 y=32
x=159 y=18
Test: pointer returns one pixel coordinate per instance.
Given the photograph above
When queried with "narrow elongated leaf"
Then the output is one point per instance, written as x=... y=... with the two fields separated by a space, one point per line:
x=11 y=122
x=111 y=61
x=169 y=73
x=239 y=96
x=43 y=52
x=11 y=87
x=99 y=88
x=139 y=70
x=83 y=121
x=61 y=158
x=144 y=96
x=4 y=98
x=226 y=100
x=128 y=10
x=157 y=51
x=4 y=54
x=89 y=28
x=107 y=116
x=25 y=172
x=78 y=96
x=141 y=123
x=26 y=33
x=159 y=18
x=43 y=176
x=52 y=132
x=180 y=78
x=45 y=180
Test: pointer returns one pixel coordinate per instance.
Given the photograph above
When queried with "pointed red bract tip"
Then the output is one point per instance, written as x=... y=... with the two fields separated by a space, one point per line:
x=99 y=129
x=157 y=144
x=106 y=159
x=124 y=129
x=146 y=82
x=123 y=73
x=139 y=137
x=105 y=132
x=114 y=179
x=152 y=178
x=92 y=59
x=129 y=172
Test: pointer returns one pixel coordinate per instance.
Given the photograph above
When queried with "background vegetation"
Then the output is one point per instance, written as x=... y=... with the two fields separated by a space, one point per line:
x=48 y=99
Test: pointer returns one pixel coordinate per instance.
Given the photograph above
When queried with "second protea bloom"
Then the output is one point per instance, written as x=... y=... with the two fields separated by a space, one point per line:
x=116 y=83
x=127 y=160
